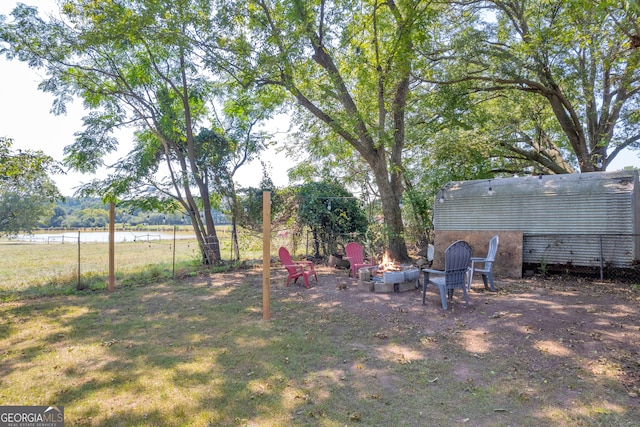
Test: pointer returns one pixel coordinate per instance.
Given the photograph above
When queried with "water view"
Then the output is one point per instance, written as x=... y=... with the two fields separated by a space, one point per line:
x=99 y=237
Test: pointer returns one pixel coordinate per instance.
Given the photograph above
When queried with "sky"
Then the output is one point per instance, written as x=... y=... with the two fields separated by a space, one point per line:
x=25 y=117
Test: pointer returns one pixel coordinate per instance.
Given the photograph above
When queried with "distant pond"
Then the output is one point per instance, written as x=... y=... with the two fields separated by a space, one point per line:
x=98 y=237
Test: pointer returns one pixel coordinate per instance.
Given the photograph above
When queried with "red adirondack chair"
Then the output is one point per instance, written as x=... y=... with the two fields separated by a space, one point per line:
x=356 y=258
x=296 y=269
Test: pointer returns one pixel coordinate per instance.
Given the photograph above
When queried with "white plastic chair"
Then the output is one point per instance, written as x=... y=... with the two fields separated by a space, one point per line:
x=487 y=265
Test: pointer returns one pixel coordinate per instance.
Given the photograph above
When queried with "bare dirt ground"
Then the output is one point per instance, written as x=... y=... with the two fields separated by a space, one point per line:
x=564 y=330
x=561 y=351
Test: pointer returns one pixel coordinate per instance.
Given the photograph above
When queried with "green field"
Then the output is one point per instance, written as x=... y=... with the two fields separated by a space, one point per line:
x=32 y=269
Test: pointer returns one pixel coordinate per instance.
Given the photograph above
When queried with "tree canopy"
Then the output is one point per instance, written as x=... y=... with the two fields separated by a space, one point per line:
x=331 y=213
x=136 y=64
x=348 y=65
x=27 y=193
x=561 y=80
x=393 y=97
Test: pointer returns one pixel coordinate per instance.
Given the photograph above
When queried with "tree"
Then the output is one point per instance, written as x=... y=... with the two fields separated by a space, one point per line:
x=27 y=194
x=87 y=218
x=348 y=66
x=250 y=202
x=330 y=212
x=574 y=61
x=58 y=217
x=223 y=150
x=134 y=64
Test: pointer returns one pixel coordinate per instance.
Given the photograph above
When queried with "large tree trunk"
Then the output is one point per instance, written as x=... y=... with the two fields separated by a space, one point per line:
x=211 y=245
x=390 y=195
x=391 y=73
x=182 y=184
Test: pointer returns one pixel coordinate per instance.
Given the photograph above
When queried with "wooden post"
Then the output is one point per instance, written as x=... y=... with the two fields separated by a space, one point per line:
x=112 y=245
x=266 y=254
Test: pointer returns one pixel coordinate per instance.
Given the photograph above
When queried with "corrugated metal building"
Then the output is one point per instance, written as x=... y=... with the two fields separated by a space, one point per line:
x=565 y=219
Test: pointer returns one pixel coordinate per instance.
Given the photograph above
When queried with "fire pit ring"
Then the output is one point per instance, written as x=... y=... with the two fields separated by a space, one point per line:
x=402 y=280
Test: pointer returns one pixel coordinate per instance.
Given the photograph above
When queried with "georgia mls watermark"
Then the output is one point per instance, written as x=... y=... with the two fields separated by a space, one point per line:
x=31 y=416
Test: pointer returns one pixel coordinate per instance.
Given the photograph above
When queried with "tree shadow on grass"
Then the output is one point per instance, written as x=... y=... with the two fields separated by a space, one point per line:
x=197 y=352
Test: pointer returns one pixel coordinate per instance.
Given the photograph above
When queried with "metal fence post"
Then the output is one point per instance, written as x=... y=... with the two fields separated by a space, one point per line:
x=174 y=251
x=601 y=260
x=79 y=286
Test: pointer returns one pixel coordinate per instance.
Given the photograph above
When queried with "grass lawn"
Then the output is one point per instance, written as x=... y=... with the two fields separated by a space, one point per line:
x=45 y=268
x=196 y=352
x=29 y=269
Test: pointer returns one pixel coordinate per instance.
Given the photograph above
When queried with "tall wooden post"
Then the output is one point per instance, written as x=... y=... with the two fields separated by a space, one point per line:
x=266 y=255
x=112 y=245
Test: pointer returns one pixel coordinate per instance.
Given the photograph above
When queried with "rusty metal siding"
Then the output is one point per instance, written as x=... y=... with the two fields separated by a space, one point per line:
x=561 y=216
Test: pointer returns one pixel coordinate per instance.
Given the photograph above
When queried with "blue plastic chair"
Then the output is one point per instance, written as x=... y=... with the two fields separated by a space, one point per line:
x=456 y=266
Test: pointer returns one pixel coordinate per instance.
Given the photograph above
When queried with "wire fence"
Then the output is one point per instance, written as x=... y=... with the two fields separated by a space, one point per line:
x=612 y=256
x=80 y=255
x=76 y=256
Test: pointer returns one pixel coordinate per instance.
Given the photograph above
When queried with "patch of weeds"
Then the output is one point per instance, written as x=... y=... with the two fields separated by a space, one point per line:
x=63 y=279
x=67 y=284
x=36 y=291
x=543 y=267
x=152 y=274
x=92 y=281
x=186 y=273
